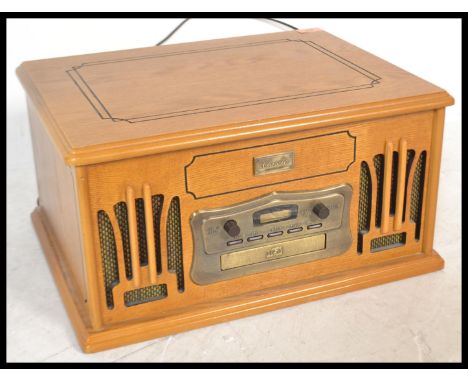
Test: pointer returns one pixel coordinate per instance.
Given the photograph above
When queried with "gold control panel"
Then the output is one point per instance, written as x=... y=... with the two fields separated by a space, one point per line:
x=273 y=231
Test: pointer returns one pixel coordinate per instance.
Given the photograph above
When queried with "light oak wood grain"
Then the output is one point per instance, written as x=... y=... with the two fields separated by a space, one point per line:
x=313 y=62
x=203 y=153
x=400 y=196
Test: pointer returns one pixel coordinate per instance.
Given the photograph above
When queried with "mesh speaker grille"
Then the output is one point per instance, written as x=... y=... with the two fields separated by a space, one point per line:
x=394 y=182
x=141 y=229
x=174 y=243
x=108 y=256
x=386 y=242
x=409 y=162
x=417 y=193
x=157 y=204
x=121 y=214
x=143 y=295
x=379 y=170
x=365 y=203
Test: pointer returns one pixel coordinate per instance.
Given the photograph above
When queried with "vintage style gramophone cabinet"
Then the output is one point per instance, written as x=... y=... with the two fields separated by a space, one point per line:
x=191 y=184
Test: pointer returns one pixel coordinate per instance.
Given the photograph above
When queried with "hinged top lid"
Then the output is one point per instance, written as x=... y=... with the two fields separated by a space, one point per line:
x=113 y=105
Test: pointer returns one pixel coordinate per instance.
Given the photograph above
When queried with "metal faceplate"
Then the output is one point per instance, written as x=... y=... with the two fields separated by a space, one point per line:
x=276 y=230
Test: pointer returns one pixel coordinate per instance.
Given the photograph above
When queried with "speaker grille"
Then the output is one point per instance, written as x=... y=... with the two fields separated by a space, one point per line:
x=379 y=162
x=396 y=177
x=417 y=193
x=143 y=295
x=365 y=203
x=174 y=243
x=108 y=256
x=120 y=210
x=387 y=242
x=157 y=203
x=138 y=266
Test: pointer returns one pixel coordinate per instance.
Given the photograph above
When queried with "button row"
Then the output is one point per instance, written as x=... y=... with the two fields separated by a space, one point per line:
x=274 y=234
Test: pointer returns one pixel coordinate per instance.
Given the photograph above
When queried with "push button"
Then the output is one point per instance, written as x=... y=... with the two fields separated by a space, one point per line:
x=274 y=234
x=313 y=226
x=294 y=230
x=234 y=242
x=254 y=238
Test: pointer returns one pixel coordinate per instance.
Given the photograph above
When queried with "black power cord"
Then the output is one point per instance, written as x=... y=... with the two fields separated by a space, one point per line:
x=172 y=32
x=185 y=20
x=283 y=23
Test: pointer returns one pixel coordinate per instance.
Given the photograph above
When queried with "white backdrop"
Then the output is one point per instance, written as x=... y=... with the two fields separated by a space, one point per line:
x=399 y=321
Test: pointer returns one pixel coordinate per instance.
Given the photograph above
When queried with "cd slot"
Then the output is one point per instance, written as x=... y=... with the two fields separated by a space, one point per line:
x=273 y=252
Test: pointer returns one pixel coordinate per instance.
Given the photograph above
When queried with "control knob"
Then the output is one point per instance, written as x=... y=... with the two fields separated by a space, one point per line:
x=232 y=228
x=321 y=210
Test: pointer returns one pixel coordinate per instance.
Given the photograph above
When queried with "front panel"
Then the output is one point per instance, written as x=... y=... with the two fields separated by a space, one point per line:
x=270 y=232
x=177 y=231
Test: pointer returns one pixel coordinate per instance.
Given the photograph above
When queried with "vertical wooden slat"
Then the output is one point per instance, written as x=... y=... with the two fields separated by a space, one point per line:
x=132 y=226
x=400 y=196
x=150 y=232
x=433 y=172
x=387 y=183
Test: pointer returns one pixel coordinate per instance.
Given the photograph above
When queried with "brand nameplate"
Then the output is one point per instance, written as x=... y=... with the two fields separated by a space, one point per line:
x=273 y=163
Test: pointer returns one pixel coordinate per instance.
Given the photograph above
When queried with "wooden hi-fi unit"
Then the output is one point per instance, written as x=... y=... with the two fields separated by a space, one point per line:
x=190 y=184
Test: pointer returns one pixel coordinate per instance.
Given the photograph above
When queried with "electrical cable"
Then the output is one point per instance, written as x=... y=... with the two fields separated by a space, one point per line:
x=185 y=20
x=172 y=32
x=282 y=22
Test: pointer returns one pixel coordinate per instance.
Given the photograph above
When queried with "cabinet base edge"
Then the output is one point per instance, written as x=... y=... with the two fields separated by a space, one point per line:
x=127 y=333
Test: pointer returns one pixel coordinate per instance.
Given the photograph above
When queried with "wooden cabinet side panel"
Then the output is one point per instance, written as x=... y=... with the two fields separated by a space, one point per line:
x=57 y=198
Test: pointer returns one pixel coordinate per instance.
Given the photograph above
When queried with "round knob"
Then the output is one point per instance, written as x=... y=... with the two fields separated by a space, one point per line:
x=232 y=228
x=321 y=210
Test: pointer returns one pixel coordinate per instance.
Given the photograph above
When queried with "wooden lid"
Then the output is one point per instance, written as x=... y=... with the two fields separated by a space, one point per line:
x=113 y=105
